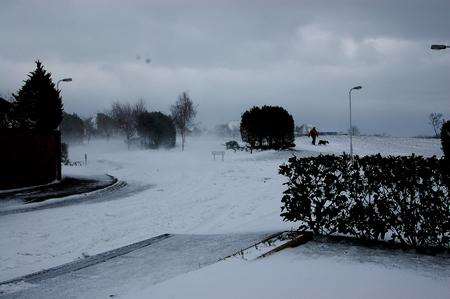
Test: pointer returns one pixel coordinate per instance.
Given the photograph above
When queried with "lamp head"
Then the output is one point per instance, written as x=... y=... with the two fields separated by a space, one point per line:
x=438 y=47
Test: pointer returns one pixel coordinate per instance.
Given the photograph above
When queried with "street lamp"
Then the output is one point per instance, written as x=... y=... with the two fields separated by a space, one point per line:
x=351 y=128
x=439 y=47
x=63 y=80
x=58 y=170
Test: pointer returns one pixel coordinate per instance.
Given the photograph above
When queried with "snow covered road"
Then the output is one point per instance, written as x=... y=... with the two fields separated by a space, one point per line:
x=118 y=190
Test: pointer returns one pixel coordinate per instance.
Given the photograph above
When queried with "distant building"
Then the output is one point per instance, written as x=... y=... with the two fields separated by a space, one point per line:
x=230 y=129
x=234 y=125
x=303 y=130
x=331 y=133
x=235 y=128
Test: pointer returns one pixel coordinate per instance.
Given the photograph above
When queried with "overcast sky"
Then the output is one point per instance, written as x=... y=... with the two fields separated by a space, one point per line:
x=231 y=55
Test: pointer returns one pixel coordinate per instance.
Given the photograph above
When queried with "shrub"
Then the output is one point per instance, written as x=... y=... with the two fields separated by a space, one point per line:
x=401 y=199
x=72 y=128
x=157 y=129
x=232 y=145
x=269 y=127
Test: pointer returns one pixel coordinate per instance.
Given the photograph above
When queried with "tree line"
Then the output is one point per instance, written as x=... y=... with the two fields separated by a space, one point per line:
x=138 y=126
x=38 y=106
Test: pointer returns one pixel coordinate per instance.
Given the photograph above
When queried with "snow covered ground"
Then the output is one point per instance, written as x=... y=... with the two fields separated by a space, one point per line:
x=313 y=270
x=190 y=193
x=182 y=192
x=368 y=145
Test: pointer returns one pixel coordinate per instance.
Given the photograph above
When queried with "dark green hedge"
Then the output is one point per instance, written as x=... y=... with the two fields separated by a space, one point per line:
x=401 y=199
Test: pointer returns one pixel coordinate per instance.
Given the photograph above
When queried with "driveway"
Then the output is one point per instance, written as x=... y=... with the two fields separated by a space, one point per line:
x=135 y=266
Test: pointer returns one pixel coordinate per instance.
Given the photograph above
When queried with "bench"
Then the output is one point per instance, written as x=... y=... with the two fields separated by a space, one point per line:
x=217 y=153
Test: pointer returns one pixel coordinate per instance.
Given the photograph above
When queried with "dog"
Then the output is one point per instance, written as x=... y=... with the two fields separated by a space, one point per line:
x=323 y=142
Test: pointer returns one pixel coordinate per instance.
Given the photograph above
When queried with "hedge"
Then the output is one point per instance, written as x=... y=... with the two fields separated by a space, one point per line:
x=402 y=199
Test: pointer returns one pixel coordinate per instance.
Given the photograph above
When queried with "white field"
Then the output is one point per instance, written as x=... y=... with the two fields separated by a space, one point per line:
x=369 y=145
x=190 y=193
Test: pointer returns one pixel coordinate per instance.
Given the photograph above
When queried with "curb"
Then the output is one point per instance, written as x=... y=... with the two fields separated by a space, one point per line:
x=297 y=241
x=32 y=206
x=113 y=181
x=253 y=245
x=83 y=263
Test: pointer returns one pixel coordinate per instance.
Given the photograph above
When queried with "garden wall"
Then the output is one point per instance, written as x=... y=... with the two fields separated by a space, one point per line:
x=29 y=158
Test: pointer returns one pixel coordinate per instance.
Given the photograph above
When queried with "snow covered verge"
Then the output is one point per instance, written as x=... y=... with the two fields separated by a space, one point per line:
x=313 y=270
x=190 y=193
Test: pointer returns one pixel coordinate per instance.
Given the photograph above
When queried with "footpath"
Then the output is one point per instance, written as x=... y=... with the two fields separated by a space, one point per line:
x=111 y=273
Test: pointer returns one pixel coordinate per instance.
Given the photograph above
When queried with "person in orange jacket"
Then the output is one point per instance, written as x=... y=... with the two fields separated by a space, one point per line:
x=313 y=134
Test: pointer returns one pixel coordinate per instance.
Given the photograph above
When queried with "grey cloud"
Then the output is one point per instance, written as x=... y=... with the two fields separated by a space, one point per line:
x=233 y=54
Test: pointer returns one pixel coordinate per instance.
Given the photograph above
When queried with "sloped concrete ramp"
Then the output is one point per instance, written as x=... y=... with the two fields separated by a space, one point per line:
x=109 y=274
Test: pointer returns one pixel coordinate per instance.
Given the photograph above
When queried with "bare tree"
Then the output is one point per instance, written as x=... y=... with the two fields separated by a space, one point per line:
x=436 y=121
x=89 y=129
x=126 y=116
x=183 y=113
x=138 y=109
x=123 y=117
x=105 y=124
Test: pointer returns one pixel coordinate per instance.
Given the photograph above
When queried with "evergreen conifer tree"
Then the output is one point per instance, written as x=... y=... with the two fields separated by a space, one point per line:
x=38 y=104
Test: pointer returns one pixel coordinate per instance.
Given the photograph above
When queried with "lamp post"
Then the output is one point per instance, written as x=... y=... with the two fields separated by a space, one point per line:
x=439 y=47
x=351 y=127
x=58 y=170
x=63 y=80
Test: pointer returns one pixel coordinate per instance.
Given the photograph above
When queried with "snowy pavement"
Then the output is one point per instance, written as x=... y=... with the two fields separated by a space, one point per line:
x=313 y=270
x=190 y=194
x=160 y=259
